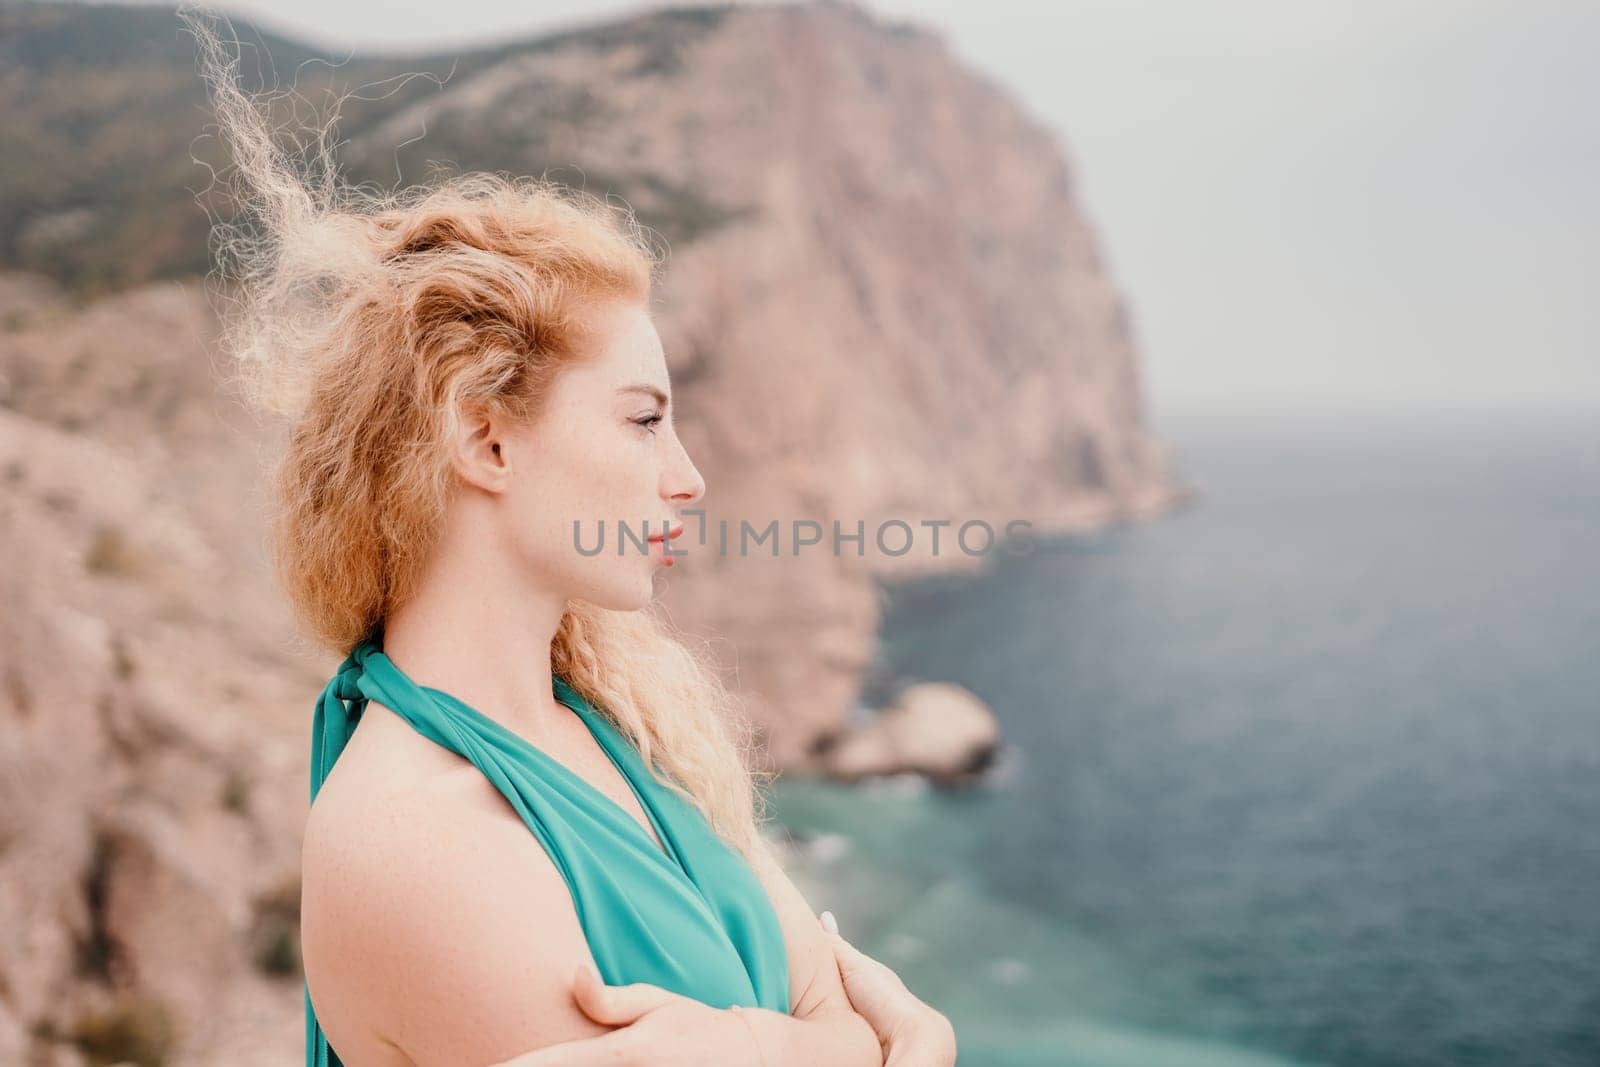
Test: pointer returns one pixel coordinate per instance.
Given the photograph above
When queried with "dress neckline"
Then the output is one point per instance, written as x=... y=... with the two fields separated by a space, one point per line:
x=611 y=742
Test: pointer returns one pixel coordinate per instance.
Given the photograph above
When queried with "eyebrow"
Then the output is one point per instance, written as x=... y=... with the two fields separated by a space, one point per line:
x=661 y=398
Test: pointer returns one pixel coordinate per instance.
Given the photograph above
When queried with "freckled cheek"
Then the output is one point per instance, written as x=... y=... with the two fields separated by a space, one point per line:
x=610 y=480
x=622 y=478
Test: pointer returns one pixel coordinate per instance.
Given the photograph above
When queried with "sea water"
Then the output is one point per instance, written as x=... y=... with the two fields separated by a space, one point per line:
x=1307 y=772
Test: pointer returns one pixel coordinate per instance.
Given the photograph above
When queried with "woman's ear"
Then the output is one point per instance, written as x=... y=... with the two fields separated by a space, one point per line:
x=477 y=453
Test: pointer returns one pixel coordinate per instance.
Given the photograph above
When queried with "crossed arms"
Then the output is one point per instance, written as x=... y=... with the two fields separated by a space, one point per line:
x=439 y=961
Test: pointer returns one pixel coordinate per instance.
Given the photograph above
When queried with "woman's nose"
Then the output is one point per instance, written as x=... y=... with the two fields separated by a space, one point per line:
x=684 y=483
x=689 y=489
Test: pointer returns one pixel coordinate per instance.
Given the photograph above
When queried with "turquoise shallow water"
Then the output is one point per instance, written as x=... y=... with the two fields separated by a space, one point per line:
x=1306 y=773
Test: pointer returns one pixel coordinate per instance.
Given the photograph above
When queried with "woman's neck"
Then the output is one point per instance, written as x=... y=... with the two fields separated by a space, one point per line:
x=481 y=637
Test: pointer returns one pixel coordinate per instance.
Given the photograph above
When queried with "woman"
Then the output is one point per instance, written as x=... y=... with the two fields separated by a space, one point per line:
x=520 y=771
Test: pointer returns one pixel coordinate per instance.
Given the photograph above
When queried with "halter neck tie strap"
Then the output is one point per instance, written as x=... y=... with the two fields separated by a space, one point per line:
x=338 y=712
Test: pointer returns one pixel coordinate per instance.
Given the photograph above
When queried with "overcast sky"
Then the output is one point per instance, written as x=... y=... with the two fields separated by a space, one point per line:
x=1383 y=202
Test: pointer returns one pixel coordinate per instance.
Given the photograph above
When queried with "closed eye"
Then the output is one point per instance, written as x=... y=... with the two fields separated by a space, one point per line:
x=649 y=422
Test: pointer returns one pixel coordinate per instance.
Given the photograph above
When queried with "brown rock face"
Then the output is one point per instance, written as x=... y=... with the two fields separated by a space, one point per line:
x=152 y=766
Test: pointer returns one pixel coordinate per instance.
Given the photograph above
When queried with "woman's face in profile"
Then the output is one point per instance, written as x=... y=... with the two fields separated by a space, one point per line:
x=603 y=452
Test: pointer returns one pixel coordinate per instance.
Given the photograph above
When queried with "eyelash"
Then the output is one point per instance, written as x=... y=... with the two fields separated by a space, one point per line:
x=649 y=423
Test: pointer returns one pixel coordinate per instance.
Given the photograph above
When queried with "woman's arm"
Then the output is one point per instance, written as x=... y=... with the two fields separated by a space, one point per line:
x=658 y=1027
x=913 y=1034
x=822 y=1026
x=834 y=1036
x=829 y=981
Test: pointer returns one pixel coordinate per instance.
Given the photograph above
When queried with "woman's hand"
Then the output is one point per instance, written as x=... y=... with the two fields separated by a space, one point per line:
x=658 y=1027
x=912 y=1033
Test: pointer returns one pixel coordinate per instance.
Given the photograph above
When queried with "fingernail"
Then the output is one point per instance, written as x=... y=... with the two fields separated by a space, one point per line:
x=829 y=923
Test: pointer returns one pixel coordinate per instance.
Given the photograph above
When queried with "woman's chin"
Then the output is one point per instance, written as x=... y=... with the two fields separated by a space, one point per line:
x=626 y=596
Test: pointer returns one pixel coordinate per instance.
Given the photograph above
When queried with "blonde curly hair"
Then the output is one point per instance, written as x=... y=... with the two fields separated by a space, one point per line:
x=365 y=319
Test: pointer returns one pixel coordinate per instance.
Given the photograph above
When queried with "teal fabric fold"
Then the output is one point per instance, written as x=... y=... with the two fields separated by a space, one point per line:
x=692 y=918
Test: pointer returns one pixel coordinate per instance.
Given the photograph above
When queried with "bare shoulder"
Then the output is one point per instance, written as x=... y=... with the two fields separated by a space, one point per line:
x=432 y=919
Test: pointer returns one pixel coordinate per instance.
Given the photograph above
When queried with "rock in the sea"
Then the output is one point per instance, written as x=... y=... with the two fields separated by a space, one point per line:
x=935 y=729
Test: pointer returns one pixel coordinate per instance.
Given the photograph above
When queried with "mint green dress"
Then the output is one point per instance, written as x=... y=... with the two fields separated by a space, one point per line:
x=694 y=919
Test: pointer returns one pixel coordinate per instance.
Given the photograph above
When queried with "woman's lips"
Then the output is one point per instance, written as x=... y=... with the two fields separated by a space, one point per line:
x=662 y=538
